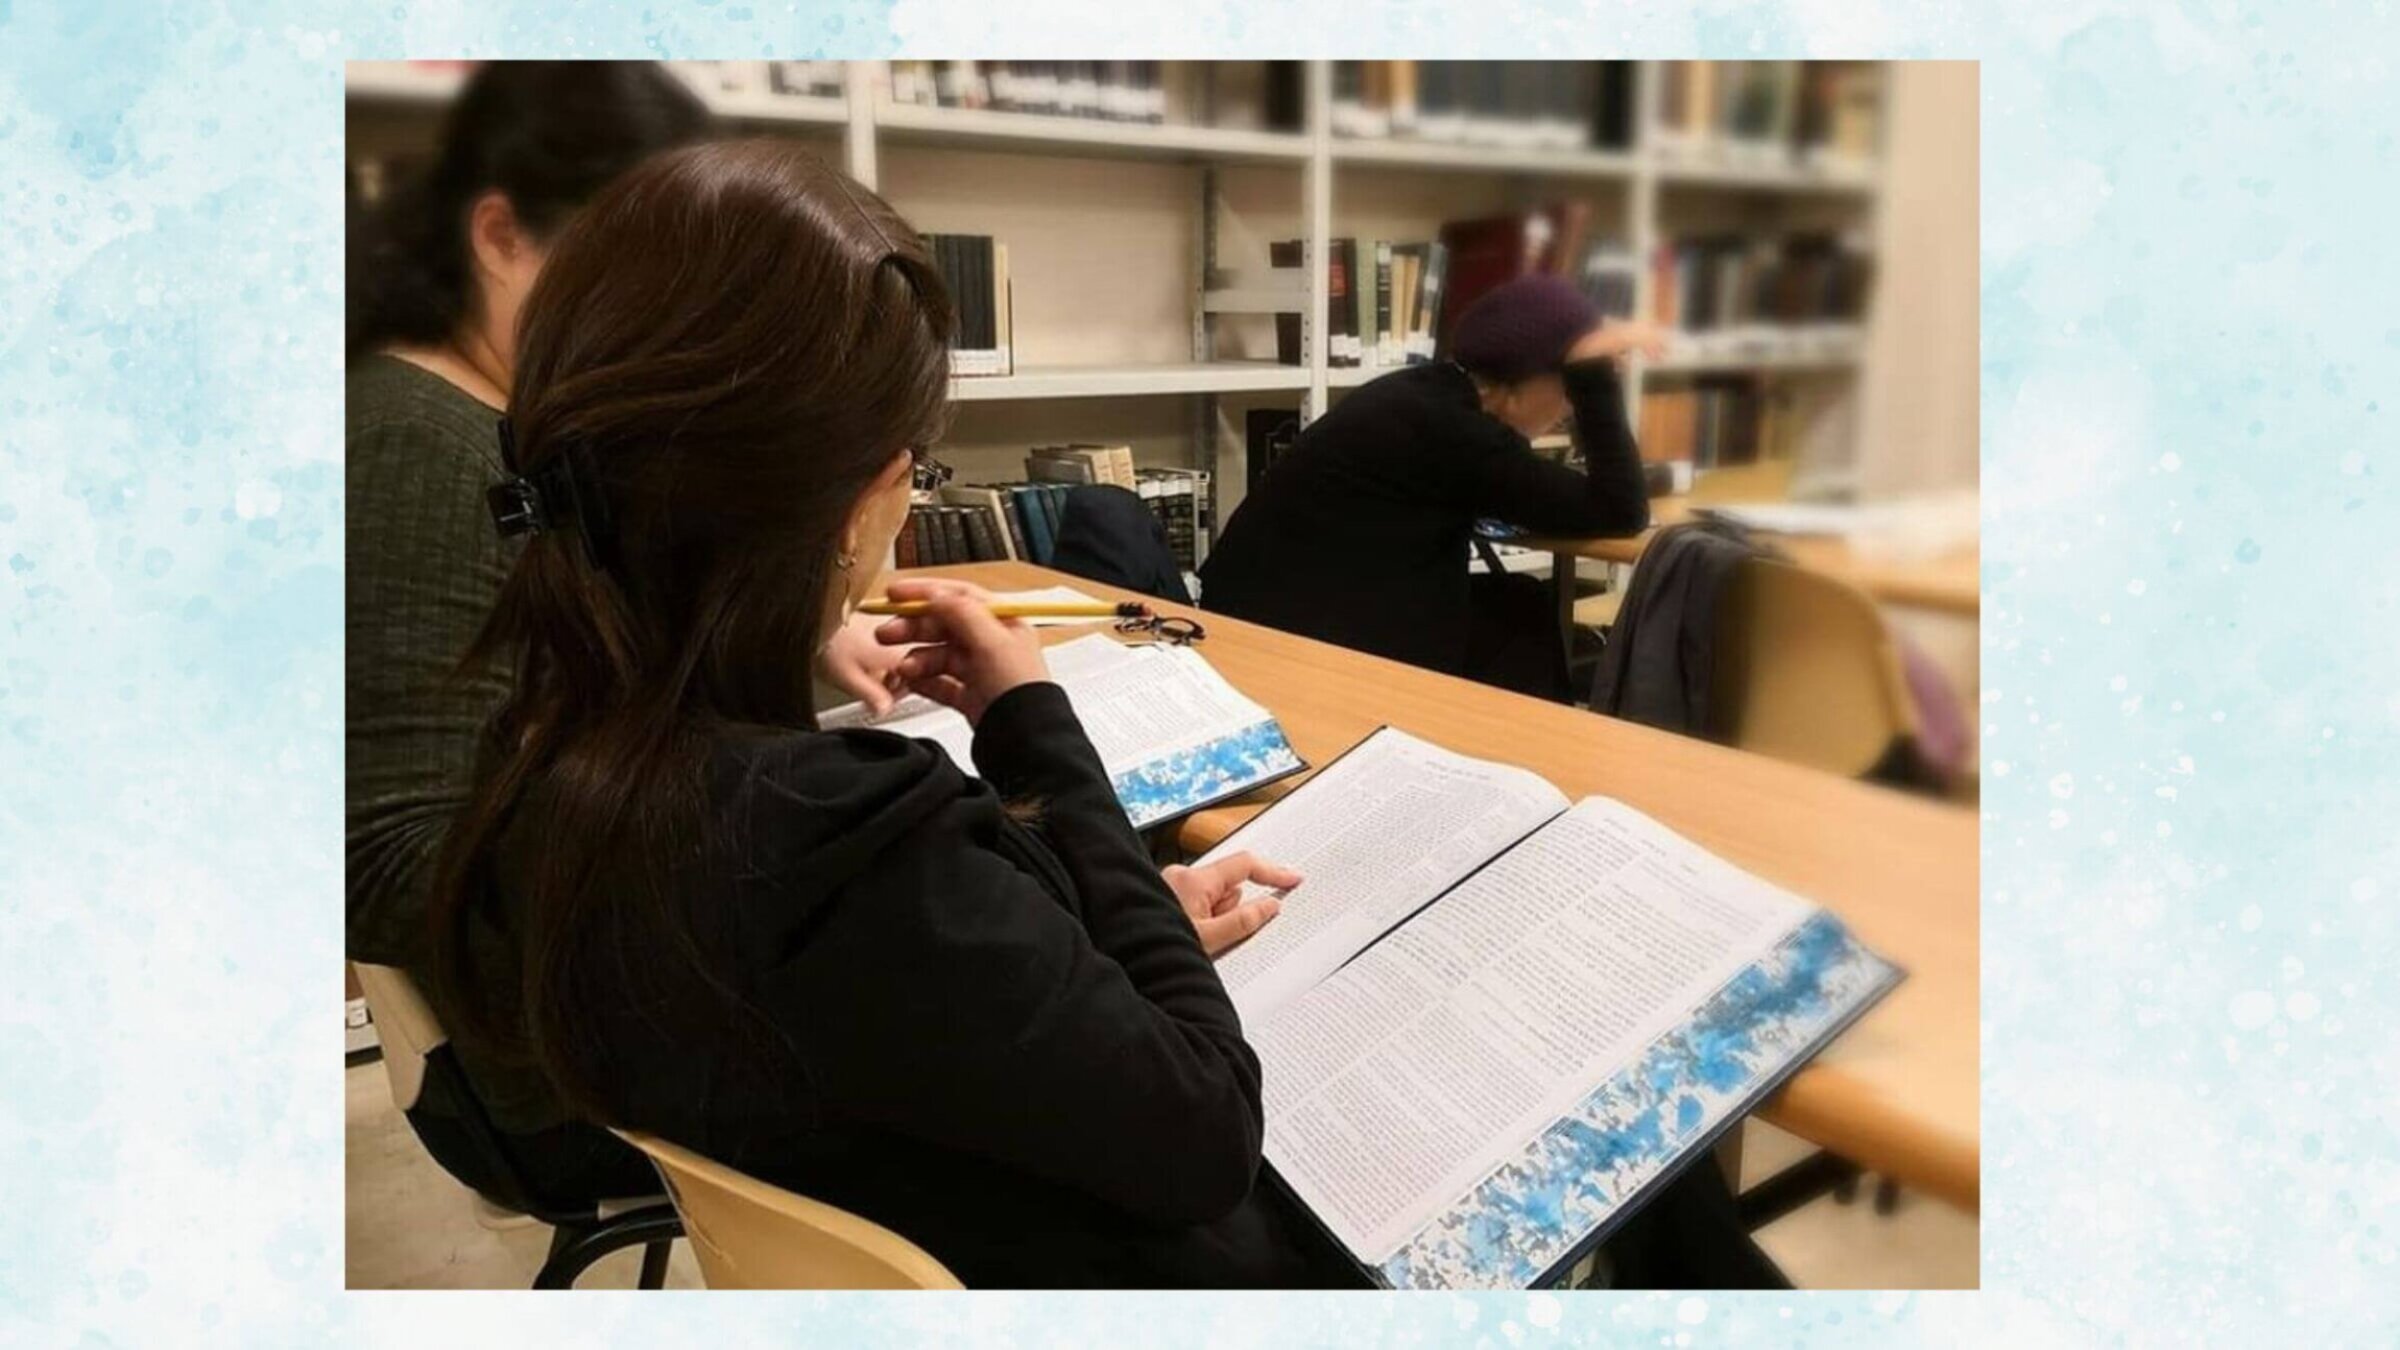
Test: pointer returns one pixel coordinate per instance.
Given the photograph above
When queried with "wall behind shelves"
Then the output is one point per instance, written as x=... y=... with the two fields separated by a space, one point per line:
x=1919 y=421
x=1099 y=250
x=986 y=442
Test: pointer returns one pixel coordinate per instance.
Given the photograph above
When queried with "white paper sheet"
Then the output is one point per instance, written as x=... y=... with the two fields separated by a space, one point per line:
x=1054 y=595
x=1374 y=835
x=1397 y=1084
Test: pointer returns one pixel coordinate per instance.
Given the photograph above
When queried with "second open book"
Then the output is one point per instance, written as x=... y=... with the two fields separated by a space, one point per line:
x=1491 y=1022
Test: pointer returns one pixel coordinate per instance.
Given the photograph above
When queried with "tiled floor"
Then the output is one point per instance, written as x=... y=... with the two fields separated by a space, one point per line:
x=411 y=1226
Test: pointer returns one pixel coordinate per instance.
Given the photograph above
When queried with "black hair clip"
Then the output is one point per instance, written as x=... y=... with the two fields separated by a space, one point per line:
x=1172 y=630
x=558 y=494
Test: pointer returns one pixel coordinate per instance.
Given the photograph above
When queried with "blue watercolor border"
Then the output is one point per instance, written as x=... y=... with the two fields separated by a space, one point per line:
x=2188 y=588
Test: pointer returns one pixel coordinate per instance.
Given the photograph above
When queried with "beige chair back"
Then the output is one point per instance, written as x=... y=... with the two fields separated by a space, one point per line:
x=405 y=1028
x=1806 y=670
x=750 y=1235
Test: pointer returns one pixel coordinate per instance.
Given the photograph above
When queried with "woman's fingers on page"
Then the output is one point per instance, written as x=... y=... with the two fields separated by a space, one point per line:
x=1224 y=930
x=1235 y=868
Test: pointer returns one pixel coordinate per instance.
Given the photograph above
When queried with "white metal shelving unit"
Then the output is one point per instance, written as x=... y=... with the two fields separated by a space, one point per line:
x=868 y=122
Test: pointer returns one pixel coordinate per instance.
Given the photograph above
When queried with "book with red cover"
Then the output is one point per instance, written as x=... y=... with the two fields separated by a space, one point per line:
x=1483 y=253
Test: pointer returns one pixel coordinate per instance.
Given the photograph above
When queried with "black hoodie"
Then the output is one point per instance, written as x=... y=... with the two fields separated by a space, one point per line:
x=1359 y=534
x=1004 y=1043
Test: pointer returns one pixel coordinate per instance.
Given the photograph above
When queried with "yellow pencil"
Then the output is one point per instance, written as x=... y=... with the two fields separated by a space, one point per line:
x=1099 y=609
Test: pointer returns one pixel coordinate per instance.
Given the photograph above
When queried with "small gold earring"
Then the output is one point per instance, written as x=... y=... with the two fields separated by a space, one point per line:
x=846 y=561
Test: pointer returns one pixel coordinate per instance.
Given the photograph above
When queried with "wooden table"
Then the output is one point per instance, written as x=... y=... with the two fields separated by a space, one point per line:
x=1897 y=1094
x=1950 y=583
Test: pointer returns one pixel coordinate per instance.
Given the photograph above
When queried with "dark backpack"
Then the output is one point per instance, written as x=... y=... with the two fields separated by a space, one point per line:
x=1513 y=640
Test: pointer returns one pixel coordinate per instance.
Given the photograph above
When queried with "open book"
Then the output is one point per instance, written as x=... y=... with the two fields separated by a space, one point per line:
x=1491 y=1022
x=1172 y=734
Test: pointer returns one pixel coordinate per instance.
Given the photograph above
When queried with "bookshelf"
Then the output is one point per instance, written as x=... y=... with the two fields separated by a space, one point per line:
x=1165 y=335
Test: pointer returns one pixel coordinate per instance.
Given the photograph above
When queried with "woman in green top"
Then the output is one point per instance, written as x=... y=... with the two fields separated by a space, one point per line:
x=437 y=274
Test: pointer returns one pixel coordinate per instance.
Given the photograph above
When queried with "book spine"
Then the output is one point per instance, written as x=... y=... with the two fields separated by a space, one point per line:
x=981 y=543
x=1287 y=253
x=904 y=546
x=1429 y=302
x=1387 y=347
x=954 y=535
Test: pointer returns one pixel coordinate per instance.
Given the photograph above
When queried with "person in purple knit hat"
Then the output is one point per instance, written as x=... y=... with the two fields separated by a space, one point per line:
x=1359 y=536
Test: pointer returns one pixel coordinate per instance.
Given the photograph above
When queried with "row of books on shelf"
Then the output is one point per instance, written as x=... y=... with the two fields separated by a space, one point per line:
x=1115 y=91
x=1718 y=422
x=1518 y=104
x=1393 y=303
x=800 y=79
x=1824 y=114
x=1729 y=281
x=1385 y=298
x=996 y=522
x=975 y=266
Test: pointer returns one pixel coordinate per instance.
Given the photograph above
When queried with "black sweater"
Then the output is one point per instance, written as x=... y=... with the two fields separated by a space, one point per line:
x=1359 y=535
x=1006 y=1045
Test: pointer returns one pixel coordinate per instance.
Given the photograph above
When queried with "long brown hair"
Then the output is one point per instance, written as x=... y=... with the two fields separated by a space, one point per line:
x=727 y=347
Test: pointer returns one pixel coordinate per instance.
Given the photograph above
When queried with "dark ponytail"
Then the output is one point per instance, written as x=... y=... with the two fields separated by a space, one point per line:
x=547 y=135
x=728 y=346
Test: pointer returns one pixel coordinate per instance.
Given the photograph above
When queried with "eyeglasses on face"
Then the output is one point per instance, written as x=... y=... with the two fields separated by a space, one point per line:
x=925 y=472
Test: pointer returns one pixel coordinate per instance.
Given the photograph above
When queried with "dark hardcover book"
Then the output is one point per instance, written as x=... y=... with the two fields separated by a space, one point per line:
x=921 y=530
x=1054 y=499
x=1385 y=255
x=979 y=278
x=1014 y=520
x=1287 y=253
x=954 y=534
x=904 y=546
x=1027 y=503
x=1482 y=253
x=981 y=542
x=1287 y=100
x=1612 y=105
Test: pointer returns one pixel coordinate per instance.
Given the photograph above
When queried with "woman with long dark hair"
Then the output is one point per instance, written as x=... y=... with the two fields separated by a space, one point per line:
x=437 y=273
x=973 y=1011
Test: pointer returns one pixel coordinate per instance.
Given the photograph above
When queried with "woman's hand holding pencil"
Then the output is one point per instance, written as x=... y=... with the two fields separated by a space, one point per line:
x=970 y=654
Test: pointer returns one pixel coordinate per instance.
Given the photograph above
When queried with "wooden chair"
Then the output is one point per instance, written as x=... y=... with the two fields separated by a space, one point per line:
x=1807 y=672
x=750 y=1235
x=433 y=1092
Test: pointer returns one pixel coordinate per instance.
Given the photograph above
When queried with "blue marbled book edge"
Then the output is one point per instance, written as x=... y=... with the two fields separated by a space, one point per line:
x=1578 y=1180
x=1159 y=790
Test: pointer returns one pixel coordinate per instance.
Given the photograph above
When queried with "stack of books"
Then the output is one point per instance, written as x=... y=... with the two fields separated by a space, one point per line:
x=1561 y=105
x=1821 y=114
x=1714 y=422
x=1115 y=91
x=976 y=268
x=1082 y=462
x=1737 y=287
